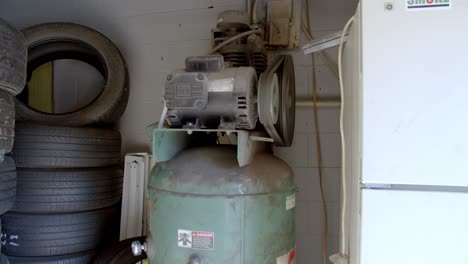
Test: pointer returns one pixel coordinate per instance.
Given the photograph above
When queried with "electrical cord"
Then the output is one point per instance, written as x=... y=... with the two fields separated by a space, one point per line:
x=342 y=256
x=236 y=37
x=308 y=31
x=343 y=149
x=319 y=161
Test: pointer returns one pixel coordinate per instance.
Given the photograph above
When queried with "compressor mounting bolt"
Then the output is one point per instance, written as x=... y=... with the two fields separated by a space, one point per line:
x=200 y=77
x=169 y=77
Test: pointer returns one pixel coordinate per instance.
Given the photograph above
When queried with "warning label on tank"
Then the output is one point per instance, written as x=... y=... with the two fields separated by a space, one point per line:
x=195 y=239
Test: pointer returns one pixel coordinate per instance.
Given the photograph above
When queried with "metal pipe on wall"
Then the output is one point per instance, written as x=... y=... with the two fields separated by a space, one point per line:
x=306 y=102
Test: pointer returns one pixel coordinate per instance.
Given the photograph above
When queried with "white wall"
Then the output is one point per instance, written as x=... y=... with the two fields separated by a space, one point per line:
x=156 y=36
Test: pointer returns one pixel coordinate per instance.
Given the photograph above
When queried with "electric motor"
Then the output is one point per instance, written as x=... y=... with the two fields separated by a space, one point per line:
x=207 y=95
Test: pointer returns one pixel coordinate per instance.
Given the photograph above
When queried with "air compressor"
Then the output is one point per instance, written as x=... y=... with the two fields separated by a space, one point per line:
x=218 y=195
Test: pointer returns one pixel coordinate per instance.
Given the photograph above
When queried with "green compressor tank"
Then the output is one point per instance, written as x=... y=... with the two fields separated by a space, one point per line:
x=205 y=209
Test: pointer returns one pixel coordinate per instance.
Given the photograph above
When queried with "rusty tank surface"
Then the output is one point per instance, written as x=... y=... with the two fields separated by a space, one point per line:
x=205 y=209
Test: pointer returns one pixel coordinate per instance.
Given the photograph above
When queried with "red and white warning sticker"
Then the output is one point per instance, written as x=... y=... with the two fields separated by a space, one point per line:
x=289 y=258
x=195 y=239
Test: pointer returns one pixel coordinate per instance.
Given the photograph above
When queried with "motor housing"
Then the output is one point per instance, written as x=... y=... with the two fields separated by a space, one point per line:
x=210 y=94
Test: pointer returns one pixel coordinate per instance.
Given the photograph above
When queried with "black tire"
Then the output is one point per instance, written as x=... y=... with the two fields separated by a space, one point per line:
x=42 y=235
x=121 y=253
x=52 y=41
x=7 y=121
x=67 y=190
x=64 y=147
x=13 y=53
x=0 y=238
x=7 y=184
x=81 y=258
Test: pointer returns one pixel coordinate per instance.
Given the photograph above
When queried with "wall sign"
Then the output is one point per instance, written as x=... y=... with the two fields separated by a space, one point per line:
x=428 y=4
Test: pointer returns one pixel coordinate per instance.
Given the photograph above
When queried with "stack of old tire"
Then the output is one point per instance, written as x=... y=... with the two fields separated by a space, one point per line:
x=12 y=80
x=69 y=182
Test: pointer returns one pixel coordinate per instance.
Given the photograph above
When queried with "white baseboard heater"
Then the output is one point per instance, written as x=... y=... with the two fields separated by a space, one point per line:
x=133 y=219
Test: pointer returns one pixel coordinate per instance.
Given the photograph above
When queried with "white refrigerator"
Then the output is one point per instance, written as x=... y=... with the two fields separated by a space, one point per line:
x=406 y=132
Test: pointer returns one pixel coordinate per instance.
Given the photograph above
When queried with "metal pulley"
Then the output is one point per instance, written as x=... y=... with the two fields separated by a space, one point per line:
x=277 y=100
